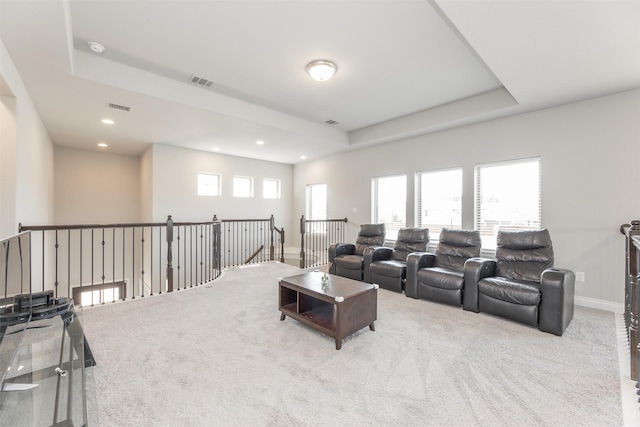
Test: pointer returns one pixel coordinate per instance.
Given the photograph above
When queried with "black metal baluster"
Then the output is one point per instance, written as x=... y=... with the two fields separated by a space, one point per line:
x=113 y=261
x=92 y=272
x=81 y=260
x=151 y=262
x=142 y=266
x=55 y=284
x=134 y=279
x=43 y=270
x=160 y=260
x=192 y=246
x=205 y=254
x=201 y=255
x=69 y=294
x=227 y=238
x=124 y=279
x=178 y=255
x=7 y=247
x=103 y=276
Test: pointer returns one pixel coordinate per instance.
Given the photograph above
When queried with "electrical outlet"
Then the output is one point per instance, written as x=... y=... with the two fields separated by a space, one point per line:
x=579 y=276
x=355 y=210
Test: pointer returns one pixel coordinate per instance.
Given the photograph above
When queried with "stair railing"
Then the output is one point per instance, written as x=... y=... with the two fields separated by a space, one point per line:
x=315 y=238
x=112 y=262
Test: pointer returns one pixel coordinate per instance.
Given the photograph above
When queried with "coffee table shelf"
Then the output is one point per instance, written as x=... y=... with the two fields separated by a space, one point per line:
x=338 y=309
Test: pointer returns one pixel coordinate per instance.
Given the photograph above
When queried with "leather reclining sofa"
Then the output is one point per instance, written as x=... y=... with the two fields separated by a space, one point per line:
x=520 y=284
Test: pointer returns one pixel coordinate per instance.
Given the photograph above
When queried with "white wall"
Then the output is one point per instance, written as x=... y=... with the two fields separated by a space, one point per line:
x=589 y=154
x=146 y=185
x=96 y=187
x=8 y=148
x=27 y=158
x=175 y=187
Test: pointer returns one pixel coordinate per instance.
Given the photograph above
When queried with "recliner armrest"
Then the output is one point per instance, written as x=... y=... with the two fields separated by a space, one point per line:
x=378 y=253
x=557 y=288
x=416 y=261
x=475 y=269
x=371 y=254
x=338 y=249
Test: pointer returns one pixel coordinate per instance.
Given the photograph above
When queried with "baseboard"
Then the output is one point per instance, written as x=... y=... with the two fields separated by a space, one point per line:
x=599 y=304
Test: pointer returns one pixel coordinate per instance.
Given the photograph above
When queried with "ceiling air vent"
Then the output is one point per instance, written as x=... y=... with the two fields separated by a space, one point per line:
x=199 y=81
x=331 y=122
x=118 y=106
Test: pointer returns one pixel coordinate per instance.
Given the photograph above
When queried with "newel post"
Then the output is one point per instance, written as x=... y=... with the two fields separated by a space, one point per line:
x=302 y=254
x=217 y=244
x=272 y=249
x=169 y=254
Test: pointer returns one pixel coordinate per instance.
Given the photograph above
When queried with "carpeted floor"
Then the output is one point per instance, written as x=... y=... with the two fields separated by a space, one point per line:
x=219 y=355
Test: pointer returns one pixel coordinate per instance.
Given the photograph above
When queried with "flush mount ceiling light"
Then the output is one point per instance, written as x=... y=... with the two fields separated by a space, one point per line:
x=107 y=121
x=103 y=145
x=260 y=142
x=321 y=69
x=96 y=47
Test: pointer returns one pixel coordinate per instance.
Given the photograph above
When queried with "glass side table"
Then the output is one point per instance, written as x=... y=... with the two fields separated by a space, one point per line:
x=45 y=383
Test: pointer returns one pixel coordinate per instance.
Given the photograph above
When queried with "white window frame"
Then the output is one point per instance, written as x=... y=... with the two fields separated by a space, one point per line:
x=266 y=194
x=399 y=206
x=446 y=203
x=238 y=191
x=522 y=207
x=316 y=205
x=212 y=189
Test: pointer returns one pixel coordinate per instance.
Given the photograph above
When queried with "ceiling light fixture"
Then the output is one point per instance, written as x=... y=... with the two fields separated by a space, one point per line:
x=107 y=121
x=303 y=157
x=103 y=145
x=260 y=142
x=321 y=69
x=96 y=47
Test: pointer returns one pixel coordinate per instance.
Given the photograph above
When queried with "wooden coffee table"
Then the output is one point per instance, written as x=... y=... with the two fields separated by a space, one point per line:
x=338 y=309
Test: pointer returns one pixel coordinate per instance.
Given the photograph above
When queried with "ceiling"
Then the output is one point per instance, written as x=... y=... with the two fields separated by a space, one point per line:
x=405 y=68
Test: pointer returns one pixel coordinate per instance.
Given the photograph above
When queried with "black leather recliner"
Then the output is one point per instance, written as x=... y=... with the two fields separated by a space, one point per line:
x=439 y=277
x=387 y=267
x=521 y=284
x=347 y=260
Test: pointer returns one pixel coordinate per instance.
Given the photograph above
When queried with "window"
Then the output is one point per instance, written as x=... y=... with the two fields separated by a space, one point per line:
x=271 y=189
x=242 y=186
x=439 y=201
x=208 y=184
x=316 y=201
x=507 y=198
x=389 y=199
x=98 y=294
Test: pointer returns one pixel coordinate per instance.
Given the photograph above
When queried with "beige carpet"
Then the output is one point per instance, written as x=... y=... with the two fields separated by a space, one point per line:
x=218 y=355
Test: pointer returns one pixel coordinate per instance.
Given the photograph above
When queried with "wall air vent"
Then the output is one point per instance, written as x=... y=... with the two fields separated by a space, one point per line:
x=118 y=106
x=199 y=81
x=331 y=122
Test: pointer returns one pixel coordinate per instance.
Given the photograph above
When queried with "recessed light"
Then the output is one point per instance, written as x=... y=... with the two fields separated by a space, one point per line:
x=103 y=144
x=107 y=121
x=260 y=142
x=215 y=149
x=303 y=157
x=96 y=47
